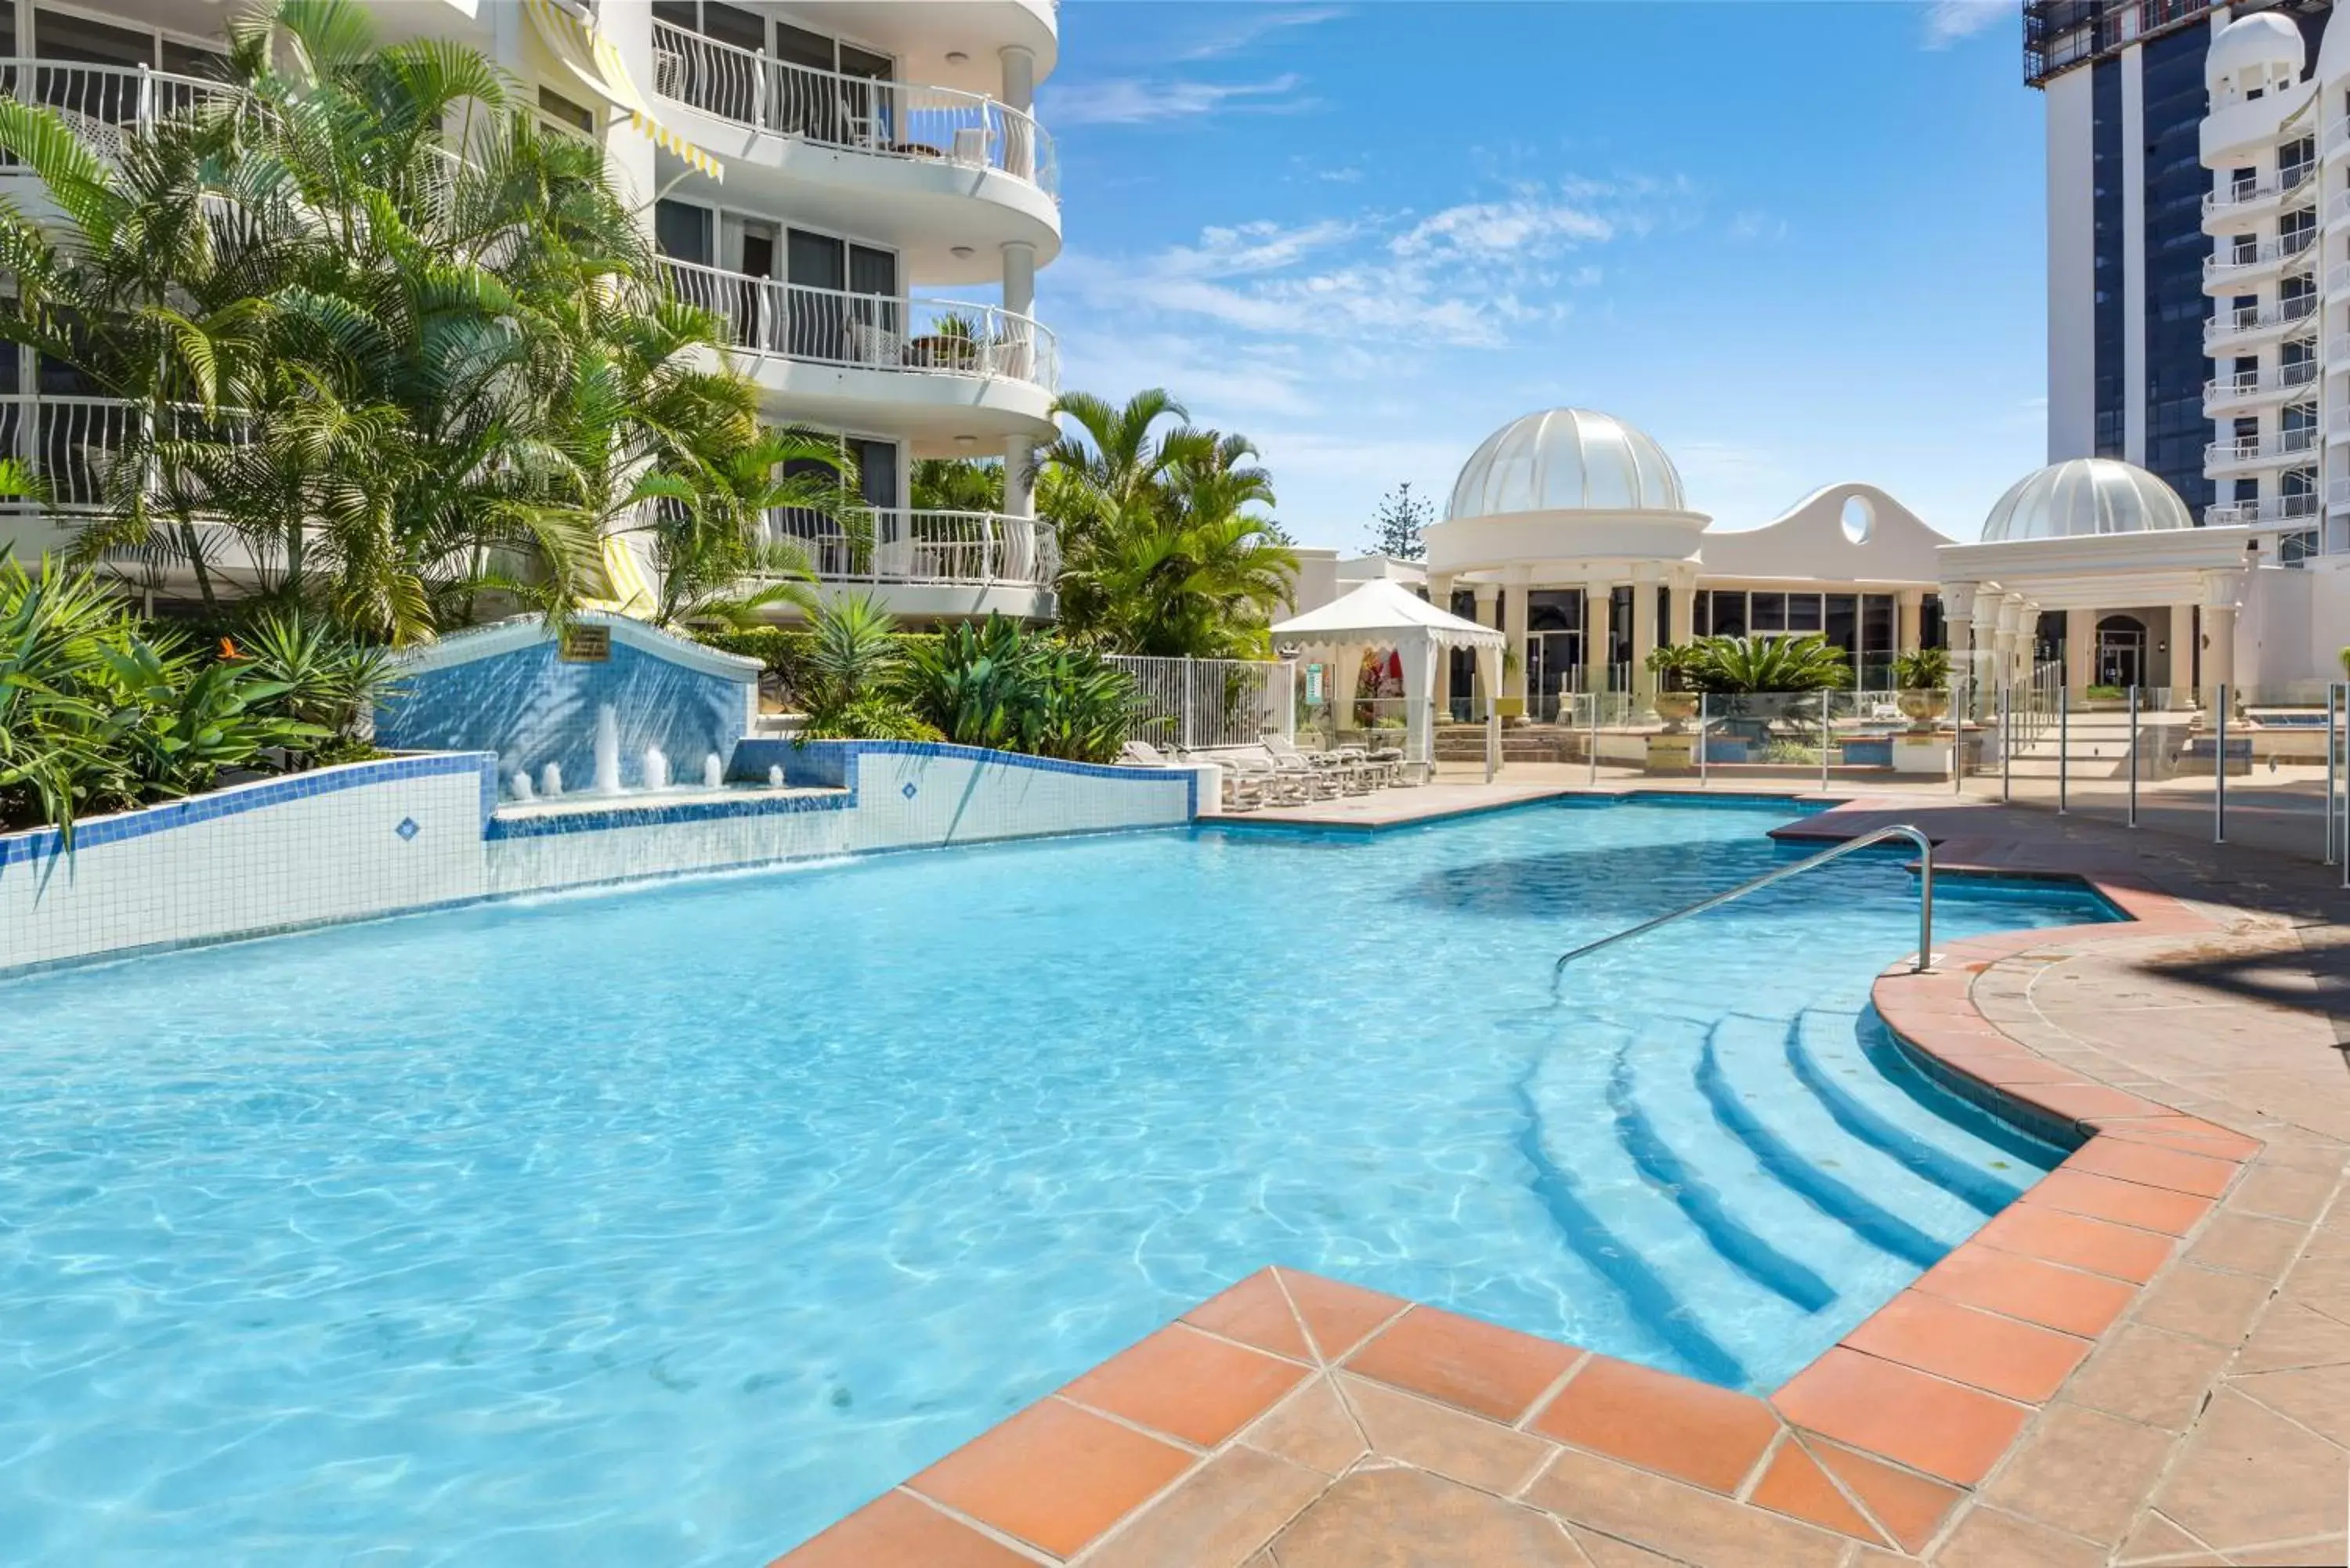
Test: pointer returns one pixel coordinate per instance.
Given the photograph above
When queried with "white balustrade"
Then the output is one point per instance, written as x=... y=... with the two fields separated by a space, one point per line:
x=903 y=544
x=871 y=331
x=861 y=113
x=103 y=102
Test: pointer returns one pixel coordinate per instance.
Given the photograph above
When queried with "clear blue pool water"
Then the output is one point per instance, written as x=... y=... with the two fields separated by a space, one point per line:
x=664 y=1226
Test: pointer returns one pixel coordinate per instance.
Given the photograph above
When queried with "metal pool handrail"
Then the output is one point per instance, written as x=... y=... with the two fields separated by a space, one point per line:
x=1851 y=845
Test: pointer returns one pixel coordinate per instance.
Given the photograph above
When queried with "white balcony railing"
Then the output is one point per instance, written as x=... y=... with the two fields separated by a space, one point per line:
x=2252 y=448
x=2254 y=192
x=2248 y=257
x=2227 y=324
x=2277 y=509
x=104 y=102
x=862 y=114
x=871 y=331
x=70 y=443
x=901 y=544
x=2253 y=384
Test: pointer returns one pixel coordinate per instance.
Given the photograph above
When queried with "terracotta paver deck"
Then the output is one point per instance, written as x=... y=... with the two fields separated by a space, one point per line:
x=2144 y=1360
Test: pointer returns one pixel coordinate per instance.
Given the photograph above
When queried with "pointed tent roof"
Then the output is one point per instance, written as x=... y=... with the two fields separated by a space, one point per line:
x=1384 y=612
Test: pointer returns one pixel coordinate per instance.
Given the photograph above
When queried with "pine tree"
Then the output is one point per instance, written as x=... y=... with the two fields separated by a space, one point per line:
x=1395 y=529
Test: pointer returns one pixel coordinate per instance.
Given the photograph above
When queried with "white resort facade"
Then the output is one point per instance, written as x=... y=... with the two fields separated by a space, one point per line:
x=1568 y=530
x=858 y=188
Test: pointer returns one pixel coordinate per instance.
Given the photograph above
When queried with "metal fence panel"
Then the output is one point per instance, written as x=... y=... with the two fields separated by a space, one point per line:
x=1196 y=703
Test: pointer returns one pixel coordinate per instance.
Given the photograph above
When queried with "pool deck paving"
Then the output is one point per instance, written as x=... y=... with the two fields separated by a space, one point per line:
x=2145 y=1360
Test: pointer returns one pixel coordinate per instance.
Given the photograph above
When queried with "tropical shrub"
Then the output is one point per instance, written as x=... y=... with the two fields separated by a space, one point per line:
x=872 y=719
x=1675 y=666
x=329 y=679
x=1162 y=549
x=1925 y=669
x=994 y=685
x=96 y=714
x=1744 y=664
x=853 y=655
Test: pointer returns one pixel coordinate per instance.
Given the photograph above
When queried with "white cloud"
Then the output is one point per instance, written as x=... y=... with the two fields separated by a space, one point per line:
x=1255 y=23
x=1134 y=100
x=1751 y=227
x=1947 y=21
x=1494 y=228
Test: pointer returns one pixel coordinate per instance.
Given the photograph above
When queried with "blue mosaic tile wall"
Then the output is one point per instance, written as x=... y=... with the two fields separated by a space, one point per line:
x=530 y=708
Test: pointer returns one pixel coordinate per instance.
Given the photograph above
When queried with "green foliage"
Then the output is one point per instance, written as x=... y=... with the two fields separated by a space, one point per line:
x=872 y=719
x=1743 y=664
x=958 y=484
x=413 y=387
x=329 y=679
x=1926 y=670
x=96 y=715
x=1396 y=526
x=1678 y=664
x=1163 y=551
x=994 y=685
x=853 y=655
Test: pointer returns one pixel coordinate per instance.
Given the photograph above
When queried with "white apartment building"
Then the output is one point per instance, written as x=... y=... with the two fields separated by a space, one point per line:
x=858 y=188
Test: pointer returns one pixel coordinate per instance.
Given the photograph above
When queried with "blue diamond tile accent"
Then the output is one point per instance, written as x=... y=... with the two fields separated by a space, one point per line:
x=909 y=790
x=408 y=830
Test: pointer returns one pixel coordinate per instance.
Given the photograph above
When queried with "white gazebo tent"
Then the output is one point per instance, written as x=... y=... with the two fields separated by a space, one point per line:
x=1382 y=614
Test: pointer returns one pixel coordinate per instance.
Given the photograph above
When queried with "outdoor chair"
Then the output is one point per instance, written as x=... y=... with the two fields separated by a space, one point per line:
x=1143 y=755
x=1349 y=773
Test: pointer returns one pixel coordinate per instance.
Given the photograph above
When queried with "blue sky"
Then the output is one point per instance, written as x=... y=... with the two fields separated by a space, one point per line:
x=1797 y=243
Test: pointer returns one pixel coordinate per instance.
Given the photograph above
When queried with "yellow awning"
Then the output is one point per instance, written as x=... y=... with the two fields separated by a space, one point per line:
x=595 y=59
x=624 y=580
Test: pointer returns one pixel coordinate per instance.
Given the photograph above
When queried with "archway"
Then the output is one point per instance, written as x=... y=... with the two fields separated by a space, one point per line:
x=2121 y=652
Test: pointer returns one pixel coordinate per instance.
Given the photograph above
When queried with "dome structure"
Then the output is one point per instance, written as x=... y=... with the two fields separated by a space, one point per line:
x=1565 y=459
x=2085 y=496
x=2254 y=51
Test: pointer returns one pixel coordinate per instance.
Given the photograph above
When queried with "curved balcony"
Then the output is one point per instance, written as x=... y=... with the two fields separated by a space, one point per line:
x=2252 y=388
x=2253 y=514
x=2254 y=323
x=2252 y=451
x=930 y=563
x=106 y=103
x=2237 y=268
x=2242 y=201
x=933 y=369
x=946 y=175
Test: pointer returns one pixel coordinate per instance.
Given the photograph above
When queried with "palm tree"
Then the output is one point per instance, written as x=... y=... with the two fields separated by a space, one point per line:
x=1170 y=559
x=406 y=383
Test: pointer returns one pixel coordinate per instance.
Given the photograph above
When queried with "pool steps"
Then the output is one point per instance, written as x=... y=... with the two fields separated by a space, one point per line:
x=1778 y=1169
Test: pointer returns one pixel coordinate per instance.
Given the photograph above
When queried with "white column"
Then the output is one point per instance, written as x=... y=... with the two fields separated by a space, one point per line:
x=1645 y=578
x=1988 y=645
x=1020 y=93
x=1513 y=616
x=1680 y=614
x=1022 y=542
x=1908 y=619
x=1439 y=594
x=2221 y=590
x=1597 y=607
x=2181 y=675
x=2080 y=650
x=1489 y=613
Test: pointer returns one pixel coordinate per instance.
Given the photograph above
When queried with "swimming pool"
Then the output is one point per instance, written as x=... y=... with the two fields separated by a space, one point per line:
x=665 y=1226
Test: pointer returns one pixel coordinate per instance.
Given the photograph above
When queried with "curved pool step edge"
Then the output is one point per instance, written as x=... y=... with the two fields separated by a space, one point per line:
x=1653 y=1300
x=1831 y=1196
x=1739 y=1244
x=1868 y=1126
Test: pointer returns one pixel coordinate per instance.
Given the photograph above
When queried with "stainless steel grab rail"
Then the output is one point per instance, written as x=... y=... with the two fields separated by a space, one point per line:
x=1850 y=846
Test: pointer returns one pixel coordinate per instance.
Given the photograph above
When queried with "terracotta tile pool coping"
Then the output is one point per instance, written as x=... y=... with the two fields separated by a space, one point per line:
x=1235 y=1417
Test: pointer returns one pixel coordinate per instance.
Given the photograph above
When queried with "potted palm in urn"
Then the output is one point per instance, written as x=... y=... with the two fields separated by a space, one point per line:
x=1921 y=682
x=1673 y=668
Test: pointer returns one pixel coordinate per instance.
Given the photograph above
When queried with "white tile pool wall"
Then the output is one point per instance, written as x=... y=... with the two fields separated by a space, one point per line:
x=903 y=799
x=336 y=845
x=375 y=838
